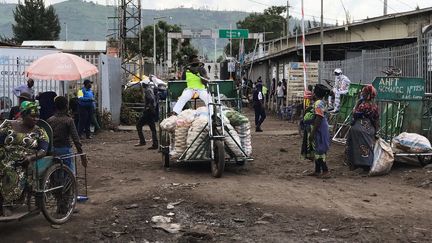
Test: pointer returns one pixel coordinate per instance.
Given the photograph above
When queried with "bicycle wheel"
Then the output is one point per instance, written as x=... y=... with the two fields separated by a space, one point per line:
x=59 y=194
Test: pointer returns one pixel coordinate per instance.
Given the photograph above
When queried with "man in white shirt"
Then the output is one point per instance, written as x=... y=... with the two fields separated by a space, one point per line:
x=25 y=88
x=280 y=93
x=340 y=87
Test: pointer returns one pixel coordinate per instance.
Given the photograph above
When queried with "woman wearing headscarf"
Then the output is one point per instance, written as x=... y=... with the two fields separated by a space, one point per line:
x=316 y=141
x=21 y=143
x=361 y=137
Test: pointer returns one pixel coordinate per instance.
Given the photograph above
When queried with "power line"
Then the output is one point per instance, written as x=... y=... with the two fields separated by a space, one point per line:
x=293 y=10
x=389 y=6
x=259 y=3
x=406 y=4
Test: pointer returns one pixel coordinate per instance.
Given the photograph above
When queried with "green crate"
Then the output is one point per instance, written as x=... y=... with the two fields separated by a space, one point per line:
x=348 y=102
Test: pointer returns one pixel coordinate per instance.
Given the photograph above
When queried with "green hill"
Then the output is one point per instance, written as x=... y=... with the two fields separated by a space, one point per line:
x=87 y=20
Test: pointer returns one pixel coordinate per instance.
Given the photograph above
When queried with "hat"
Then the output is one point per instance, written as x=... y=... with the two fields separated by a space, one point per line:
x=29 y=107
x=25 y=96
x=338 y=71
x=195 y=60
x=87 y=82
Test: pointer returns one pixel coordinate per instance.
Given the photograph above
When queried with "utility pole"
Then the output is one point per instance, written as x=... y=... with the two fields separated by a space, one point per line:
x=385 y=7
x=287 y=23
x=322 y=41
x=231 y=40
x=322 y=33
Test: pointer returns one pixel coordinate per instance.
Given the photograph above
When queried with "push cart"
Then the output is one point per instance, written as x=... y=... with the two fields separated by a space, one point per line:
x=212 y=148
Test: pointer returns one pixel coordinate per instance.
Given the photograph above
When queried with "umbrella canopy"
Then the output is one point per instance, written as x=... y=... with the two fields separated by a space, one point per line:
x=61 y=66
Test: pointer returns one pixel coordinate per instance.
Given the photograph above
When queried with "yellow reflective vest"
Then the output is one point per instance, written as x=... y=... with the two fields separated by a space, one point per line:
x=193 y=81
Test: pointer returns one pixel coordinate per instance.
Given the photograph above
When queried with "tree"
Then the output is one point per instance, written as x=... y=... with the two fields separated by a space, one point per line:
x=33 y=21
x=162 y=30
x=270 y=22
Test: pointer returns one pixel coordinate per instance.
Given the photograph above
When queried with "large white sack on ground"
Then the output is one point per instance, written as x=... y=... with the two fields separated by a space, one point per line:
x=412 y=142
x=383 y=158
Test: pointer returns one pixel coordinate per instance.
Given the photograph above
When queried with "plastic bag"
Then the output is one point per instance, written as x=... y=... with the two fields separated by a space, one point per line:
x=412 y=142
x=383 y=158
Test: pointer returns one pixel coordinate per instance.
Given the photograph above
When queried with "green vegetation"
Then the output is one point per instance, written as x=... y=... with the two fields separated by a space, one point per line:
x=34 y=21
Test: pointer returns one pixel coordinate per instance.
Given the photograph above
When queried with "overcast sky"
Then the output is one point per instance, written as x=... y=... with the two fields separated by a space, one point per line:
x=333 y=9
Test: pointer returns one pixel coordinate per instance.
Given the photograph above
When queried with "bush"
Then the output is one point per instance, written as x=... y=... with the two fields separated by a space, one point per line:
x=129 y=116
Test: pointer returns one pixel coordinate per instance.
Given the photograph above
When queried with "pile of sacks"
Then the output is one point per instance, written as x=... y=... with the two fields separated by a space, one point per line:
x=192 y=125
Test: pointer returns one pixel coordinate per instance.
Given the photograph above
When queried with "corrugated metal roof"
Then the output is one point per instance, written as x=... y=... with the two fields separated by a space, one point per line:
x=71 y=46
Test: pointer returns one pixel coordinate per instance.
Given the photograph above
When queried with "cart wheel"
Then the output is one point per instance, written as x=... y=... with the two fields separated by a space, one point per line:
x=425 y=160
x=165 y=158
x=59 y=194
x=218 y=164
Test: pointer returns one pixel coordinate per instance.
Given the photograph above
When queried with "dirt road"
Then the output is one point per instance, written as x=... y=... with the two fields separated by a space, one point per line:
x=268 y=200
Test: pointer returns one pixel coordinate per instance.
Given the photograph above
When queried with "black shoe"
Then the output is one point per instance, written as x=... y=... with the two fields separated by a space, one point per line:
x=258 y=129
x=89 y=137
x=153 y=147
x=140 y=144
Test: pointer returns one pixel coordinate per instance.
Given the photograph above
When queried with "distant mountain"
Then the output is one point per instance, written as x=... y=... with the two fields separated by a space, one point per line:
x=90 y=21
x=87 y=20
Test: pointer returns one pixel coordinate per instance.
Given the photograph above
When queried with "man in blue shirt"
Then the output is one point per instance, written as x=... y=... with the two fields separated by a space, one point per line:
x=25 y=88
x=85 y=108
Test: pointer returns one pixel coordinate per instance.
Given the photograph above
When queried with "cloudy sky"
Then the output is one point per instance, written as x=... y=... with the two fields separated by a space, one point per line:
x=333 y=9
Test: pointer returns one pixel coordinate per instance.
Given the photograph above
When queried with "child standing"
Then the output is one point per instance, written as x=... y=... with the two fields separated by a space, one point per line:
x=63 y=129
x=318 y=140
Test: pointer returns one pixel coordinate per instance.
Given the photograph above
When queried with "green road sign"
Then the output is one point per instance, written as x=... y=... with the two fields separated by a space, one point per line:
x=234 y=34
x=399 y=88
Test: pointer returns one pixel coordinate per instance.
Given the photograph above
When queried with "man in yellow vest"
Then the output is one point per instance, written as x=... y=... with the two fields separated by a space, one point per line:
x=196 y=77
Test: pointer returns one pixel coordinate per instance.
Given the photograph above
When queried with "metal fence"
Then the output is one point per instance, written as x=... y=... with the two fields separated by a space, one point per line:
x=12 y=74
x=414 y=60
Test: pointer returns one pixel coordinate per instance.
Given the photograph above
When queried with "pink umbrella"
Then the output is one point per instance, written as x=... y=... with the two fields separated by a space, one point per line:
x=61 y=66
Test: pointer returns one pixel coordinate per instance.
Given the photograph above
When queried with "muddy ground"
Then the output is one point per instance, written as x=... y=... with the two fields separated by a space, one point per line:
x=268 y=200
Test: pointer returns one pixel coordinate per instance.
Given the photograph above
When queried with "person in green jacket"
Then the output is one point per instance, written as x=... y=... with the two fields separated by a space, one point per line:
x=196 y=77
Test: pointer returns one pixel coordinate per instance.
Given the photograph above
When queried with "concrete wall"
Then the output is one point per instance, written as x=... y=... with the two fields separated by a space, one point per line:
x=111 y=86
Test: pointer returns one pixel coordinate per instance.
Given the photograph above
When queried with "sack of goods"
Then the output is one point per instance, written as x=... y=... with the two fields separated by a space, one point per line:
x=197 y=133
x=232 y=140
x=188 y=116
x=190 y=128
x=244 y=132
x=182 y=125
x=383 y=158
x=235 y=118
x=412 y=142
x=169 y=124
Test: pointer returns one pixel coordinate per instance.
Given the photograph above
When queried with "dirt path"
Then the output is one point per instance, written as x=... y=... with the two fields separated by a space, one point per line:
x=269 y=199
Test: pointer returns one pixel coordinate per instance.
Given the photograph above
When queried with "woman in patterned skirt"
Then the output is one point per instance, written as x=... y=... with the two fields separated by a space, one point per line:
x=361 y=137
x=21 y=143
